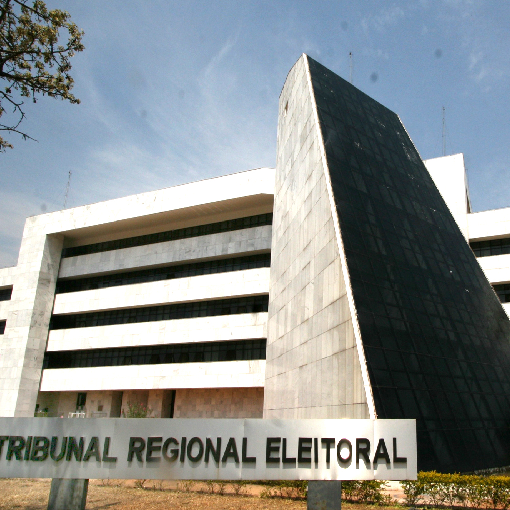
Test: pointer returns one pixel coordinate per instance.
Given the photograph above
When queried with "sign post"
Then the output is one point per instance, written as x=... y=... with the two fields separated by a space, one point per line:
x=324 y=495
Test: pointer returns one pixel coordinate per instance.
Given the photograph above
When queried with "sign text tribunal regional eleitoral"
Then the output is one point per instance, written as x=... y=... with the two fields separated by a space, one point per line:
x=211 y=449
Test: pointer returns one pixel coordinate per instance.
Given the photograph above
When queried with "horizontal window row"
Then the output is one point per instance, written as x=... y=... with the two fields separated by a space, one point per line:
x=503 y=292
x=491 y=247
x=5 y=294
x=165 y=273
x=252 y=304
x=171 y=235
x=2 y=327
x=155 y=355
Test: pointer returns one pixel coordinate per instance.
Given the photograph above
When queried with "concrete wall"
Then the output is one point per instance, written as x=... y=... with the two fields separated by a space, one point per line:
x=60 y=403
x=4 y=309
x=496 y=268
x=219 y=403
x=29 y=311
x=249 y=282
x=218 y=374
x=7 y=276
x=312 y=369
x=449 y=176
x=199 y=329
x=489 y=224
x=237 y=242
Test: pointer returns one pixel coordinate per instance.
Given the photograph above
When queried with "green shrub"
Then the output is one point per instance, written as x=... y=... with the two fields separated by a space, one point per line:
x=458 y=490
x=365 y=491
x=136 y=410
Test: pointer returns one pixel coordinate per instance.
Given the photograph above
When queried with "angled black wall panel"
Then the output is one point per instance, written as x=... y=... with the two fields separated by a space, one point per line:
x=436 y=339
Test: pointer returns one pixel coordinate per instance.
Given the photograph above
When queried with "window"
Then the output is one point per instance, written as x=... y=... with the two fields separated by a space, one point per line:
x=80 y=400
x=171 y=235
x=165 y=273
x=503 y=292
x=5 y=294
x=252 y=304
x=491 y=247
x=155 y=355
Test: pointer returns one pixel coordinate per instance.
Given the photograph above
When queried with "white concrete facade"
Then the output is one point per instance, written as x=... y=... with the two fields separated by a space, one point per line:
x=27 y=336
x=449 y=175
x=228 y=374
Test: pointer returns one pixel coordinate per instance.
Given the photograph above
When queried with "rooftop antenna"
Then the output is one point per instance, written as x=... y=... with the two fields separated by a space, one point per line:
x=67 y=188
x=351 y=65
x=444 y=133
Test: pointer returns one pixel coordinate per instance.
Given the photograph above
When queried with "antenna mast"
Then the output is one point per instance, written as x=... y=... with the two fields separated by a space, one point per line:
x=351 y=65
x=67 y=188
x=444 y=133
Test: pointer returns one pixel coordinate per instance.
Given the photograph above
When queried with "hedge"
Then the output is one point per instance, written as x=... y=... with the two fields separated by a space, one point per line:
x=365 y=491
x=458 y=490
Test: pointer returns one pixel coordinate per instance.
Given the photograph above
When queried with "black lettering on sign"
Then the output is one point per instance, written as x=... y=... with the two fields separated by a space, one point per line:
x=192 y=442
x=92 y=450
x=339 y=448
x=16 y=444
x=363 y=450
x=328 y=442
x=245 y=457
x=2 y=441
x=231 y=451
x=106 y=451
x=174 y=452
x=183 y=449
x=43 y=449
x=304 y=447
x=76 y=448
x=285 y=459
x=273 y=446
x=28 y=447
x=381 y=452
x=396 y=458
x=136 y=447
x=152 y=447
x=209 y=449
x=53 y=447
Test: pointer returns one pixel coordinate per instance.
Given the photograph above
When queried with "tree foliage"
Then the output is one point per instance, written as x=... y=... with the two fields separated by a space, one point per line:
x=36 y=46
x=137 y=410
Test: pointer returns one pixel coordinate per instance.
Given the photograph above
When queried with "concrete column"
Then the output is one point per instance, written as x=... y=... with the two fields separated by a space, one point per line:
x=313 y=368
x=68 y=494
x=23 y=345
x=324 y=495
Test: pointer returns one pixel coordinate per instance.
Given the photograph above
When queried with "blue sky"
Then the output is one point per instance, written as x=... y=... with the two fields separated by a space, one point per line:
x=174 y=92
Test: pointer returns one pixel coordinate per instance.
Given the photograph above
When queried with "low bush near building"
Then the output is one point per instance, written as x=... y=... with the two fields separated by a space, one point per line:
x=458 y=490
x=365 y=491
x=294 y=489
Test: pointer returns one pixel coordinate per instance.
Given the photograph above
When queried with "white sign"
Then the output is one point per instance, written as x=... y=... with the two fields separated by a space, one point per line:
x=211 y=449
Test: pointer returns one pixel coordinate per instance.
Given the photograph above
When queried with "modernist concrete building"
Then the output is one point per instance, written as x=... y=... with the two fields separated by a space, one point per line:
x=337 y=286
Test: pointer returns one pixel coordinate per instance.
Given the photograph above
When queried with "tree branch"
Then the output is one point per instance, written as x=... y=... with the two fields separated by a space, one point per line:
x=29 y=49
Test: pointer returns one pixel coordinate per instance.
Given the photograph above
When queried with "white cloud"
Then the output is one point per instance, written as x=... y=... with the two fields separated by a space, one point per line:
x=383 y=20
x=375 y=53
x=477 y=66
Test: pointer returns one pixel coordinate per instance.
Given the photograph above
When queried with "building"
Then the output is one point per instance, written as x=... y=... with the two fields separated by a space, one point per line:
x=339 y=285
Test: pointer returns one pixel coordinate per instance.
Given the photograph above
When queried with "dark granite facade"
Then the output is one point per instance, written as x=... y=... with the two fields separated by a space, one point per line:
x=436 y=339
